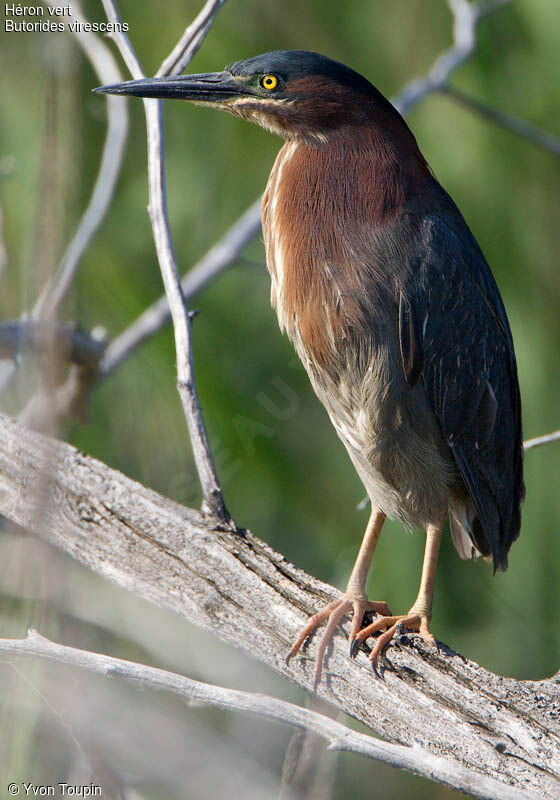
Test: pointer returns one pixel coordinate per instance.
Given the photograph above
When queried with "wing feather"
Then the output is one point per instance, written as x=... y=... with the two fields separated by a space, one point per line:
x=454 y=317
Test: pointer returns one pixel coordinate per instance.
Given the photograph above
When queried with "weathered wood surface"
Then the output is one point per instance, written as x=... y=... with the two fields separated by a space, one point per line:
x=251 y=597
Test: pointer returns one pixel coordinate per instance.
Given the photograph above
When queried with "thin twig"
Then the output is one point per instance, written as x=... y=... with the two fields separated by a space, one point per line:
x=220 y=256
x=340 y=738
x=107 y=71
x=466 y=17
x=213 y=501
x=190 y=41
x=528 y=444
x=518 y=126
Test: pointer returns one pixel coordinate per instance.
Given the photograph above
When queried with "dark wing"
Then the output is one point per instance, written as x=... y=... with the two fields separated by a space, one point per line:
x=455 y=339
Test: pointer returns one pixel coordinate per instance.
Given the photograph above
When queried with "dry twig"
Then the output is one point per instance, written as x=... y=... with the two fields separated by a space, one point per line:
x=339 y=737
x=190 y=41
x=213 y=502
x=518 y=126
x=466 y=16
x=529 y=444
x=220 y=256
x=71 y=342
x=106 y=69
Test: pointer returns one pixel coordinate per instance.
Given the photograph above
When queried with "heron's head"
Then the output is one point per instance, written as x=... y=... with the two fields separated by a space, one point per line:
x=294 y=93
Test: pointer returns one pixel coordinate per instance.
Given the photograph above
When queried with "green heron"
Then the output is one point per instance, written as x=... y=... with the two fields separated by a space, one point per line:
x=393 y=310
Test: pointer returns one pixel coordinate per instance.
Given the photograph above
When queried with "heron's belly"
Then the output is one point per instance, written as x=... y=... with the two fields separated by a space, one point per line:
x=393 y=440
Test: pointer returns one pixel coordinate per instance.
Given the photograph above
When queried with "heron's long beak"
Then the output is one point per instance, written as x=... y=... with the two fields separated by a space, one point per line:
x=213 y=87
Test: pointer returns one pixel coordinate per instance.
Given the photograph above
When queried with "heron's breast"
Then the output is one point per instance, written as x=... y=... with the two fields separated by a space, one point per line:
x=318 y=232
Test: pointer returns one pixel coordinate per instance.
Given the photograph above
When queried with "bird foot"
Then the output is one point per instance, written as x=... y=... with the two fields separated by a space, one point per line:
x=394 y=625
x=333 y=614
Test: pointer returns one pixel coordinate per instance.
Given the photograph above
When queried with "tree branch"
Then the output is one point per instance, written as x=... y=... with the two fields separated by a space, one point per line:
x=252 y=598
x=339 y=737
x=71 y=342
x=220 y=256
x=190 y=41
x=514 y=124
x=466 y=16
x=528 y=444
x=107 y=71
x=213 y=501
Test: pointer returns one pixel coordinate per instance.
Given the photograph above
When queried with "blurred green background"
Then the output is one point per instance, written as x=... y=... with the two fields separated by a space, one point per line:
x=292 y=482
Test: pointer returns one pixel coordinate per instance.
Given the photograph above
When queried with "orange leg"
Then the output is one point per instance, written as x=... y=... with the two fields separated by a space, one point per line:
x=418 y=618
x=354 y=598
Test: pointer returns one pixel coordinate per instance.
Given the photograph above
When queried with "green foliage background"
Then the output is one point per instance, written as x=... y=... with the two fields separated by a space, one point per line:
x=287 y=476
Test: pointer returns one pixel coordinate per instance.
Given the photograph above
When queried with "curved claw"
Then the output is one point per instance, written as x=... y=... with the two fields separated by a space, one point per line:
x=354 y=647
x=373 y=667
x=360 y=607
x=333 y=614
x=395 y=626
x=334 y=618
x=315 y=620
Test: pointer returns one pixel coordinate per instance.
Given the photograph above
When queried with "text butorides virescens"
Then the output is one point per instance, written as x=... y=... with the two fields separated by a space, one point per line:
x=392 y=308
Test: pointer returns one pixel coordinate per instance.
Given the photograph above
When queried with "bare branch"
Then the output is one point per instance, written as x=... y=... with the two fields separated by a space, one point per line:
x=213 y=501
x=414 y=759
x=220 y=256
x=519 y=126
x=528 y=444
x=107 y=71
x=190 y=41
x=252 y=598
x=466 y=16
x=71 y=342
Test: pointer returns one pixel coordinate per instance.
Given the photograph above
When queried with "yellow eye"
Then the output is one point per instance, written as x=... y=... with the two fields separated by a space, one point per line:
x=269 y=82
